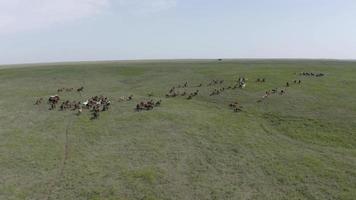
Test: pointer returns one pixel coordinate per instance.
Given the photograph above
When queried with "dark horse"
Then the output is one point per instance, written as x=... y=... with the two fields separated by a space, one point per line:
x=80 y=89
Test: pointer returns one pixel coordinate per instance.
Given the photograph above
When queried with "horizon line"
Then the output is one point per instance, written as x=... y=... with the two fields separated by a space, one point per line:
x=2 y=66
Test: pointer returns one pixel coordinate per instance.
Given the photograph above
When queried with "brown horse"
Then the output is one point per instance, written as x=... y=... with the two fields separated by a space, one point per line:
x=53 y=99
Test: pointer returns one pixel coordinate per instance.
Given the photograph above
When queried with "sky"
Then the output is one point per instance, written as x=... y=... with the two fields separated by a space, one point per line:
x=33 y=31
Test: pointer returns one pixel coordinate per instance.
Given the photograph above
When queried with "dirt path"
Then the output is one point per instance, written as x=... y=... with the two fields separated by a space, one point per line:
x=55 y=180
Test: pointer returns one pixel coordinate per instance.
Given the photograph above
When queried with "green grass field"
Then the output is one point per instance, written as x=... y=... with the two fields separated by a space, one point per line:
x=301 y=145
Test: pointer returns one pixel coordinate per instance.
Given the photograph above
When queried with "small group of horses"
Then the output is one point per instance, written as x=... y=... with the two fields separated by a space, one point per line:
x=240 y=83
x=236 y=106
x=215 y=82
x=147 y=105
x=174 y=92
x=96 y=105
x=279 y=91
x=261 y=80
x=193 y=94
x=126 y=98
x=67 y=105
x=273 y=91
x=69 y=89
x=65 y=90
x=183 y=86
x=217 y=91
x=54 y=100
x=295 y=82
x=311 y=74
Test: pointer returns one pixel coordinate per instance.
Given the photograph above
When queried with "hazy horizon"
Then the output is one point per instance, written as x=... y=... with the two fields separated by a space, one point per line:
x=39 y=31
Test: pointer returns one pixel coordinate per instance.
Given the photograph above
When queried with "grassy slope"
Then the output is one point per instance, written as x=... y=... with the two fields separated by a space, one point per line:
x=298 y=146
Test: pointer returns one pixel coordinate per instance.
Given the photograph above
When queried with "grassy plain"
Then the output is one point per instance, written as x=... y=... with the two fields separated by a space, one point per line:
x=301 y=145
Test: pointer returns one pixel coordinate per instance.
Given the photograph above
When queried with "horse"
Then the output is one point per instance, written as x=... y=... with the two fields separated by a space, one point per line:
x=242 y=85
x=53 y=106
x=80 y=89
x=233 y=105
x=80 y=110
x=38 y=101
x=53 y=99
x=158 y=103
x=172 y=89
x=138 y=107
x=95 y=114
x=237 y=109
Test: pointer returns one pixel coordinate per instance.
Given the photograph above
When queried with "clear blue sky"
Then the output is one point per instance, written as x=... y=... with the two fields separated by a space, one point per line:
x=70 y=30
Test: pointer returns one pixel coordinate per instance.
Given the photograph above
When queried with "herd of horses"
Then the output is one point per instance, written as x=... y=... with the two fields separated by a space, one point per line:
x=217 y=89
x=97 y=104
x=174 y=91
x=288 y=84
